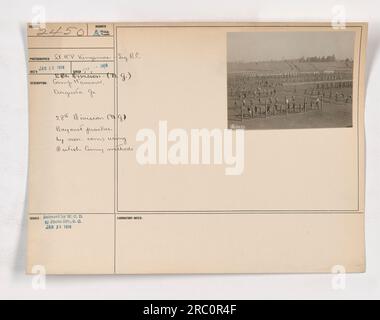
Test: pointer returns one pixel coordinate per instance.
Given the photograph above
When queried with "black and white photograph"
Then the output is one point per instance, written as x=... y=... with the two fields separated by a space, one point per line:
x=290 y=80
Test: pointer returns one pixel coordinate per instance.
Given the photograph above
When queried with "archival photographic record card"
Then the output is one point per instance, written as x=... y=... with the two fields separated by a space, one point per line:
x=160 y=148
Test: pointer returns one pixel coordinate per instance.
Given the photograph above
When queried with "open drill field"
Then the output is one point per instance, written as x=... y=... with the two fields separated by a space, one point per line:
x=290 y=95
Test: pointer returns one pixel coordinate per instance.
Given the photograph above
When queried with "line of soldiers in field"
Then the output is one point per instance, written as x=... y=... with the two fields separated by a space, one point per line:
x=327 y=91
x=270 y=83
x=259 y=95
x=268 y=103
x=274 y=106
x=261 y=79
x=318 y=76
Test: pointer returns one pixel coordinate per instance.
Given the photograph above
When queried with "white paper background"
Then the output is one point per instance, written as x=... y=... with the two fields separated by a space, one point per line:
x=14 y=145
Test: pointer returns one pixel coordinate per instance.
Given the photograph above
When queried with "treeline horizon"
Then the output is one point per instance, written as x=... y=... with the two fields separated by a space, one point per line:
x=331 y=58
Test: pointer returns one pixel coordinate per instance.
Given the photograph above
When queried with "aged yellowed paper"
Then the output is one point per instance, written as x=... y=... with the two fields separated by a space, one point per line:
x=196 y=148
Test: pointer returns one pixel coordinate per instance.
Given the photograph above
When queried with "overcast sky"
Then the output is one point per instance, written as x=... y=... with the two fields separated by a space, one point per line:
x=264 y=46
